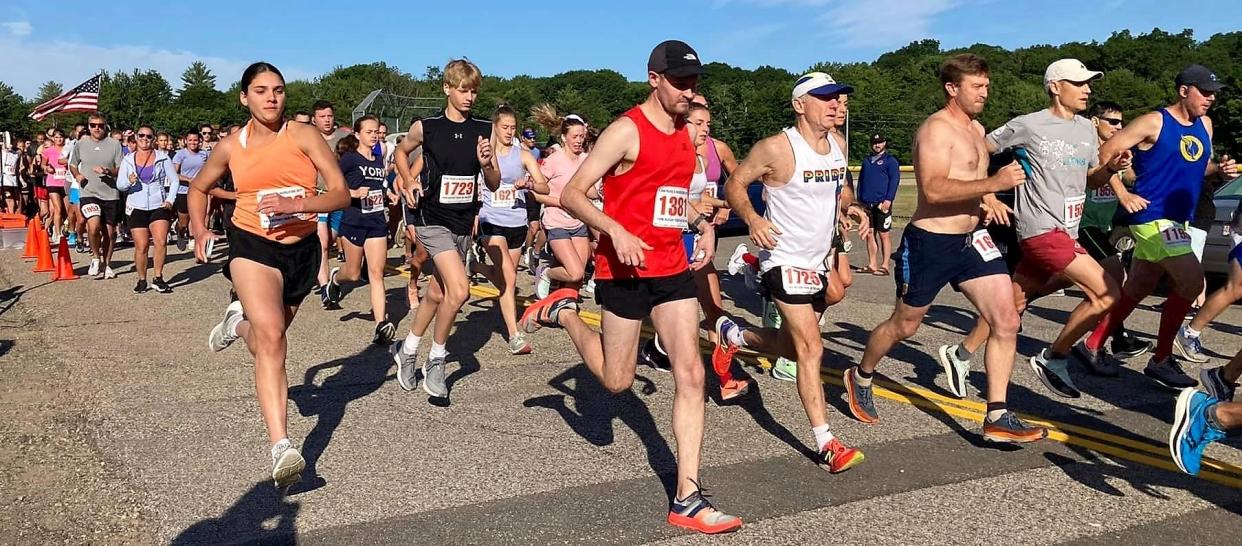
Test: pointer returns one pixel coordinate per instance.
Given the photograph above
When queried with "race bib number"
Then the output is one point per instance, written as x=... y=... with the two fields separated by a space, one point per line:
x=711 y=190
x=670 y=208
x=60 y=172
x=801 y=282
x=1175 y=235
x=1073 y=211
x=982 y=241
x=373 y=202
x=1104 y=194
x=273 y=221
x=456 y=190
x=91 y=210
x=1226 y=230
x=129 y=210
x=504 y=197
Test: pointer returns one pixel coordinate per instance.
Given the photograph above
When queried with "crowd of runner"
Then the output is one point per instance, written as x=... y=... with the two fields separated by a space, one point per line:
x=1068 y=196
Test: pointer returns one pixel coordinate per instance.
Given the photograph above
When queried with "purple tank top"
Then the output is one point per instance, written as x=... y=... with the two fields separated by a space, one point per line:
x=714 y=168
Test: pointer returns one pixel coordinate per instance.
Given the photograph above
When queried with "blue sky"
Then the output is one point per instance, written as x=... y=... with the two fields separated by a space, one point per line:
x=540 y=38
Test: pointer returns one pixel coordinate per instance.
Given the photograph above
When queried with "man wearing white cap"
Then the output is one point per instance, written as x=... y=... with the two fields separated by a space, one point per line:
x=802 y=169
x=1058 y=149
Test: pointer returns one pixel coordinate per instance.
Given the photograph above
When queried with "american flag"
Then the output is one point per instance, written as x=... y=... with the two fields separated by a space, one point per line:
x=83 y=98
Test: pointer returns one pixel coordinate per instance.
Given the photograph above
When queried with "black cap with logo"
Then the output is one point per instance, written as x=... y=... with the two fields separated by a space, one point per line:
x=1199 y=76
x=877 y=138
x=675 y=58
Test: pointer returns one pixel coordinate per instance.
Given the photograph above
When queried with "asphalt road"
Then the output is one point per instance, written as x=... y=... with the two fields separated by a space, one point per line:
x=117 y=425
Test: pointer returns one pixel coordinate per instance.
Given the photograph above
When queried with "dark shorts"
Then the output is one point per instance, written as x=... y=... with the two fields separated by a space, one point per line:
x=357 y=234
x=1047 y=254
x=881 y=221
x=634 y=299
x=1235 y=255
x=142 y=219
x=298 y=263
x=556 y=234
x=182 y=204
x=514 y=237
x=533 y=209
x=56 y=190
x=773 y=284
x=926 y=262
x=109 y=209
x=1006 y=239
x=1097 y=243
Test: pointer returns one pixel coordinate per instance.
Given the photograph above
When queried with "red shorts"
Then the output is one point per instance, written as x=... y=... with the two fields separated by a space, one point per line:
x=1047 y=254
x=41 y=193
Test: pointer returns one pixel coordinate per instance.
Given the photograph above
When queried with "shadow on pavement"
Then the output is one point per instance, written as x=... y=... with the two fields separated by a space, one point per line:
x=247 y=520
x=1096 y=471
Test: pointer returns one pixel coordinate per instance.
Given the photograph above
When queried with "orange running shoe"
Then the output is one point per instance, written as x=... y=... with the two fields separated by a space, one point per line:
x=734 y=388
x=1009 y=429
x=838 y=458
x=696 y=513
x=544 y=312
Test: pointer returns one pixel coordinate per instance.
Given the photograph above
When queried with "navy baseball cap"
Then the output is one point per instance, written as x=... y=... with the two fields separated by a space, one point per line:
x=528 y=133
x=1199 y=76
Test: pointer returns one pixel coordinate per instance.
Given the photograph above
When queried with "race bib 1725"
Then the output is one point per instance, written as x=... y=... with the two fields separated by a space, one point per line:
x=801 y=282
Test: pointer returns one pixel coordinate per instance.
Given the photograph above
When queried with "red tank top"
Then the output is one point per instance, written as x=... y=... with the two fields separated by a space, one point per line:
x=649 y=201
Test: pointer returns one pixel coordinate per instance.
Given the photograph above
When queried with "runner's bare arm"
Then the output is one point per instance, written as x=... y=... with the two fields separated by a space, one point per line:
x=487 y=163
x=760 y=163
x=1100 y=175
x=933 y=157
x=196 y=200
x=539 y=183
x=411 y=187
x=1145 y=128
x=618 y=142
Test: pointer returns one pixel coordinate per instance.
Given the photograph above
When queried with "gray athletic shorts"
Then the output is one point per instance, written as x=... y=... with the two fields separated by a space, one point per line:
x=556 y=234
x=437 y=239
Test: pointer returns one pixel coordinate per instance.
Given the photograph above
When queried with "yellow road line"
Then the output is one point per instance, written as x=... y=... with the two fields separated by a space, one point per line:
x=1213 y=470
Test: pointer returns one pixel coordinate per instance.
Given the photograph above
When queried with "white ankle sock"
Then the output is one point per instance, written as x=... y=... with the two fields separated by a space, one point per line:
x=438 y=350
x=411 y=344
x=823 y=435
x=1191 y=332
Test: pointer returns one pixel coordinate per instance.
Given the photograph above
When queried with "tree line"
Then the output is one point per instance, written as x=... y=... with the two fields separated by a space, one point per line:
x=892 y=94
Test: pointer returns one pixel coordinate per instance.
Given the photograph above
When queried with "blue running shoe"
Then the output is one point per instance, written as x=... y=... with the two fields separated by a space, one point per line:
x=1189 y=346
x=1214 y=382
x=1191 y=432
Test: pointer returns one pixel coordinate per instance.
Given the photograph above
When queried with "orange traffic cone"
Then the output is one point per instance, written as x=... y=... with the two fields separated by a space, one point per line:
x=45 y=263
x=64 y=263
x=33 y=227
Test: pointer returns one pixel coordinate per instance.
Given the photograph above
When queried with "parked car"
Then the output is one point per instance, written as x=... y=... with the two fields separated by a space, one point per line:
x=1220 y=236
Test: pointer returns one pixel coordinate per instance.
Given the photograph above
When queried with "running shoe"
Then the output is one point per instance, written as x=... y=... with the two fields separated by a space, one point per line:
x=736 y=263
x=546 y=311
x=589 y=287
x=1126 y=346
x=407 y=366
x=1098 y=362
x=287 y=464
x=109 y=273
x=73 y=239
x=1054 y=373
x=472 y=257
x=1194 y=310
x=161 y=286
x=141 y=287
x=1009 y=429
x=653 y=354
x=518 y=344
x=784 y=369
x=861 y=401
x=81 y=247
x=334 y=288
x=1189 y=346
x=955 y=370
x=734 y=388
x=525 y=262
x=1191 y=433
x=1168 y=374
x=696 y=513
x=93 y=270
x=1214 y=382
x=433 y=377
x=837 y=458
x=225 y=333
x=211 y=248
x=56 y=238
x=543 y=285
x=385 y=331
x=183 y=243
x=323 y=296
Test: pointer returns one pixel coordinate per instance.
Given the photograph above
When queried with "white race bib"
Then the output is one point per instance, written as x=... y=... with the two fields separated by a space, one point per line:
x=800 y=282
x=1175 y=236
x=504 y=197
x=711 y=190
x=273 y=221
x=456 y=190
x=1104 y=194
x=670 y=208
x=60 y=173
x=1073 y=211
x=90 y=210
x=373 y=202
x=982 y=241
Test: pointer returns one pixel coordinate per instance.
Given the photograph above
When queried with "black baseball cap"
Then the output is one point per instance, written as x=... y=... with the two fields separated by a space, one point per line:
x=675 y=58
x=878 y=138
x=1199 y=76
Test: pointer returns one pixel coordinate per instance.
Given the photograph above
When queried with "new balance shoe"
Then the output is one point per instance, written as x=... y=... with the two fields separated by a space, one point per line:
x=1189 y=347
x=955 y=370
x=1191 y=433
x=696 y=513
x=1097 y=361
x=1214 y=382
x=407 y=365
x=1054 y=373
x=287 y=464
x=1009 y=429
x=860 y=399
x=784 y=369
x=837 y=458
x=1168 y=374
x=433 y=378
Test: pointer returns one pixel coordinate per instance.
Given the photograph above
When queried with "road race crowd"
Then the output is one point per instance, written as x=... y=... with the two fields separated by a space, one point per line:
x=1070 y=195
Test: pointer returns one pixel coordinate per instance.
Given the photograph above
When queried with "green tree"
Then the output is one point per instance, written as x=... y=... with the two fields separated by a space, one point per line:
x=197 y=75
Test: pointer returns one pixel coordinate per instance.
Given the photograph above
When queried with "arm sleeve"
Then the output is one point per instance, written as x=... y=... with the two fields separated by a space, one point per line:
x=894 y=178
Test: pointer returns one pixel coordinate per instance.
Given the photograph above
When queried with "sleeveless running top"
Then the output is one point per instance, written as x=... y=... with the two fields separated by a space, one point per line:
x=698 y=181
x=649 y=201
x=450 y=178
x=506 y=207
x=1170 y=173
x=278 y=167
x=805 y=209
x=715 y=169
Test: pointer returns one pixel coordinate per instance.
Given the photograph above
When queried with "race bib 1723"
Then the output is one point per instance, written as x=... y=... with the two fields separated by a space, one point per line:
x=670 y=208
x=456 y=190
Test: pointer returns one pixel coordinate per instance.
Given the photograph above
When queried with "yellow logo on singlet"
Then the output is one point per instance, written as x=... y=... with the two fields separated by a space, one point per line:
x=1192 y=148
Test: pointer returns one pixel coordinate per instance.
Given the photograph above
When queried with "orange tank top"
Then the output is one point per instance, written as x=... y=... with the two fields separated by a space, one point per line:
x=278 y=167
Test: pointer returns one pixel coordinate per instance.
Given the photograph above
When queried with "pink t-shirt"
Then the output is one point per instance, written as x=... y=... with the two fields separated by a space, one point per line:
x=53 y=156
x=558 y=169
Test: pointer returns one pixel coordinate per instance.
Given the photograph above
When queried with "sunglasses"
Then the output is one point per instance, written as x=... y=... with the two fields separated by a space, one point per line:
x=1115 y=122
x=145 y=136
x=204 y=132
x=97 y=125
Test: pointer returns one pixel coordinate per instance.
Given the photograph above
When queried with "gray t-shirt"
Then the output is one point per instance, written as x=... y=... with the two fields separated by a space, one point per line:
x=1056 y=154
x=341 y=132
x=88 y=154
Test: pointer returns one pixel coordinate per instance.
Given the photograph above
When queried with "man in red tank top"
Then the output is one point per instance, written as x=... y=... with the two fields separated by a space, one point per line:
x=640 y=263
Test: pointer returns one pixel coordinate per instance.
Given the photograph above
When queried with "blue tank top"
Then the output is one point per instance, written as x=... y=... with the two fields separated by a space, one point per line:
x=1170 y=173
x=506 y=207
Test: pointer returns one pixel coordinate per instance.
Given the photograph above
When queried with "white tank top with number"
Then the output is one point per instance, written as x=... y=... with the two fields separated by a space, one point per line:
x=805 y=209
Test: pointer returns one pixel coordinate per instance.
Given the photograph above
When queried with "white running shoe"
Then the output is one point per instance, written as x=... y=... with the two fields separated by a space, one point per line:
x=735 y=261
x=93 y=271
x=109 y=273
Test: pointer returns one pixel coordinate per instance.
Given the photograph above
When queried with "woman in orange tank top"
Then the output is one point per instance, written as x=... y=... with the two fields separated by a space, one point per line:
x=273 y=250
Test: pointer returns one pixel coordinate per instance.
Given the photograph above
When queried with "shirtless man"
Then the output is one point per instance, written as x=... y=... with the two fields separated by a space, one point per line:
x=944 y=244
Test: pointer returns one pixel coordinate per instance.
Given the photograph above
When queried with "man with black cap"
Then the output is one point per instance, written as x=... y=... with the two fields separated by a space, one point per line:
x=1172 y=151
x=877 y=187
x=641 y=264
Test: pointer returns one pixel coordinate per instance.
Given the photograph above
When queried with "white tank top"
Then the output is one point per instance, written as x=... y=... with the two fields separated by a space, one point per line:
x=805 y=209
x=698 y=182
